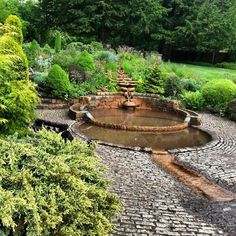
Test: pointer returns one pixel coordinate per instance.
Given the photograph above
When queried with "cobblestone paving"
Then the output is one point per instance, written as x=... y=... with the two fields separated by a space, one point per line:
x=216 y=161
x=155 y=203
x=60 y=115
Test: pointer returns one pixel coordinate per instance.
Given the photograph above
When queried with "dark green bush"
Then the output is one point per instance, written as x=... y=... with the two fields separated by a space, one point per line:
x=64 y=59
x=190 y=85
x=58 y=82
x=173 y=86
x=193 y=100
x=218 y=93
x=32 y=50
x=85 y=62
x=49 y=187
x=154 y=80
x=227 y=65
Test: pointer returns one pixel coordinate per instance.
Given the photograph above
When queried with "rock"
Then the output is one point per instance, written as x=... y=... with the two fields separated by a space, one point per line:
x=232 y=110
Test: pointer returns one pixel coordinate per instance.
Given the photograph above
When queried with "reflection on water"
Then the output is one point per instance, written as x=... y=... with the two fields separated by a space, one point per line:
x=185 y=138
x=137 y=117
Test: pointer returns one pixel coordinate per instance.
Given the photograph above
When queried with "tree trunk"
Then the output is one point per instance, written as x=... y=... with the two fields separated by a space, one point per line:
x=167 y=50
x=213 y=57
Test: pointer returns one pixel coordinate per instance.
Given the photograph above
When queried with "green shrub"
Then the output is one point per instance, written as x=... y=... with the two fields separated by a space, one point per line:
x=57 y=46
x=47 y=49
x=85 y=62
x=154 y=80
x=14 y=28
x=40 y=77
x=32 y=51
x=190 y=85
x=19 y=64
x=63 y=59
x=58 y=82
x=218 y=93
x=96 y=46
x=18 y=101
x=49 y=187
x=18 y=97
x=193 y=100
x=173 y=86
x=227 y=65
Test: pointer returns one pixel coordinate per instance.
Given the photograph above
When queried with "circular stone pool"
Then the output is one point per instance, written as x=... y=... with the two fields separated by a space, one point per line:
x=168 y=140
x=156 y=123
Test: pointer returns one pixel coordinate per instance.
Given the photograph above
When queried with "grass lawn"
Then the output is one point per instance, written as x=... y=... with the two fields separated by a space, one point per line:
x=204 y=73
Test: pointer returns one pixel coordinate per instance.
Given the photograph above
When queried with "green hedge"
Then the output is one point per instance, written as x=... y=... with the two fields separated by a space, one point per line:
x=218 y=93
x=49 y=187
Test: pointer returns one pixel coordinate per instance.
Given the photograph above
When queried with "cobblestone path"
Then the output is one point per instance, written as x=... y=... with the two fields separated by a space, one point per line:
x=155 y=203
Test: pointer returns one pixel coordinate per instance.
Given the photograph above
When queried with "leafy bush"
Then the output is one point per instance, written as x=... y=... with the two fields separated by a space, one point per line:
x=173 y=86
x=85 y=62
x=193 y=100
x=154 y=80
x=57 y=46
x=190 y=85
x=18 y=100
x=49 y=187
x=18 y=97
x=14 y=28
x=218 y=93
x=58 y=82
x=40 y=77
x=63 y=59
x=19 y=64
x=32 y=51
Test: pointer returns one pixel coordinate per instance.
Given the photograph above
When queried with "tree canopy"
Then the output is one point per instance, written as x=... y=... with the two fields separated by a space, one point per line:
x=200 y=25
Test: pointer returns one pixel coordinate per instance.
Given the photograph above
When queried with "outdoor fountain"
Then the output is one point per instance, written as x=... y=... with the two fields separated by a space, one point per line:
x=135 y=120
x=146 y=122
x=127 y=86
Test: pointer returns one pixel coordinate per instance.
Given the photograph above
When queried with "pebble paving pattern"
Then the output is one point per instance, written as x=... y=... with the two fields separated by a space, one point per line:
x=155 y=203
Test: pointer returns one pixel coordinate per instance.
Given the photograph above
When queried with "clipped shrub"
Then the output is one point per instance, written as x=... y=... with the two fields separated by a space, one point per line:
x=154 y=80
x=218 y=93
x=49 y=187
x=173 y=86
x=193 y=100
x=57 y=46
x=58 y=82
x=85 y=62
x=19 y=64
x=18 y=101
x=14 y=28
x=190 y=85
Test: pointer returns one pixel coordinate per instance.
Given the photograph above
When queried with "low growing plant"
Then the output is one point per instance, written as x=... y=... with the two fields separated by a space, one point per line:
x=193 y=100
x=49 y=187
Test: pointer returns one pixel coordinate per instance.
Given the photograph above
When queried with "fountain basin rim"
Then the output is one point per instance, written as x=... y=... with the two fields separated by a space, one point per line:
x=209 y=145
x=171 y=128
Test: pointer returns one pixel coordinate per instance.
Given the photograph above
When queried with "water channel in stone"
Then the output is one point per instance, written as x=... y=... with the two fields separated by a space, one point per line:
x=137 y=118
x=185 y=138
